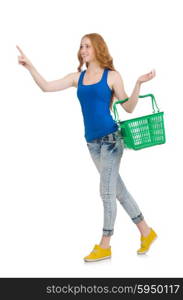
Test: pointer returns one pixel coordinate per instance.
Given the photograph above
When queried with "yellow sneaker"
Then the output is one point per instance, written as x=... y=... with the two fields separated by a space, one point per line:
x=98 y=253
x=146 y=242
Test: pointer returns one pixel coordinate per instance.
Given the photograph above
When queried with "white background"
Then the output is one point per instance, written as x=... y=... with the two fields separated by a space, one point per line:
x=51 y=214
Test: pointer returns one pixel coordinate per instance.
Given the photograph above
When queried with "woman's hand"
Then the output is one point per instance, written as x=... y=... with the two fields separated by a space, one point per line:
x=146 y=77
x=23 y=60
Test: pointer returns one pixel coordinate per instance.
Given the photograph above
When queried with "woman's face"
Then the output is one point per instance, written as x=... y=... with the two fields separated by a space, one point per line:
x=86 y=50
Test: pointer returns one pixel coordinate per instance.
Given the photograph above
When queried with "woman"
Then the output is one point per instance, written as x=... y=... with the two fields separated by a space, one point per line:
x=96 y=88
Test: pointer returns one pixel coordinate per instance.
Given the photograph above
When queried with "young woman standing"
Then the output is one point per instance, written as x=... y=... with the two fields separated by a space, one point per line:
x=96 y=88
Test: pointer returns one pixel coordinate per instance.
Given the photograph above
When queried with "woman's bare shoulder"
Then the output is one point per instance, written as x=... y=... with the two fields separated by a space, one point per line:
x=115 y=76
x=112 y=76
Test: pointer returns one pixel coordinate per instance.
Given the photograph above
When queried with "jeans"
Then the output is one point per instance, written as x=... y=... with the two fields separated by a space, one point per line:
x=106 y=153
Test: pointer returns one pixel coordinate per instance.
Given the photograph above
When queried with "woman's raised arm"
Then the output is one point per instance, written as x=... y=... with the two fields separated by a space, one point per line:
x=61 y=84
x=46 y=86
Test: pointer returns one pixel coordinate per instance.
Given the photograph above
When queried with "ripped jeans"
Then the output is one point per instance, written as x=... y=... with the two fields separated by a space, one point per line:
x=106 y=153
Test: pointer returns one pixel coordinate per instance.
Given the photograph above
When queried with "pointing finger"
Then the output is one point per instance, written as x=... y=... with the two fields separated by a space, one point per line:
x=20 y=50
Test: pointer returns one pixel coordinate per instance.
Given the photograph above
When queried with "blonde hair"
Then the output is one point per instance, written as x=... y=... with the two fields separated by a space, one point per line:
x=101 y=53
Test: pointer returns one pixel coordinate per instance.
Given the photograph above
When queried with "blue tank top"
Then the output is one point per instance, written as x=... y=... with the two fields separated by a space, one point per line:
x=95 y=100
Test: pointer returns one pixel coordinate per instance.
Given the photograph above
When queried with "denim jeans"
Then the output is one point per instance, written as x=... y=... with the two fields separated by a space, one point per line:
x=106 y=153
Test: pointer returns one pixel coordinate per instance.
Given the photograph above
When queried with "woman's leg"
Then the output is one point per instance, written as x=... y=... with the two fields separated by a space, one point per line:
x=107 y=156
x=110 y=157
x=143 y=228
x=122 y=194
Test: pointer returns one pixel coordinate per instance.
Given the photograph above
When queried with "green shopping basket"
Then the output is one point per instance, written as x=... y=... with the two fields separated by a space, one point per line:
x=142 y=132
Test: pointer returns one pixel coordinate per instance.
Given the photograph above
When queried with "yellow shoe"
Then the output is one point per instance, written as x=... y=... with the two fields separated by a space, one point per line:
x=146 y=242
x=98 y=253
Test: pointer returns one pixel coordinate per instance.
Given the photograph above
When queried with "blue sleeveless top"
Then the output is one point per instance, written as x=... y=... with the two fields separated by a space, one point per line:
x=95 y=100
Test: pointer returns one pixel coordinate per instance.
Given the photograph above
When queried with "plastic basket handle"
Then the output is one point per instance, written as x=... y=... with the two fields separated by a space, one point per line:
x=142 y=96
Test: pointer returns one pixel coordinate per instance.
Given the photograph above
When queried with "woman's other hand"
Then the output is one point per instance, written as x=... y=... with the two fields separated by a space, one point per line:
x=147 y=77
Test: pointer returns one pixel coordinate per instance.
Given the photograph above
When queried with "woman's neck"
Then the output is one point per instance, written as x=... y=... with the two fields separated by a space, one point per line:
x=94 y=68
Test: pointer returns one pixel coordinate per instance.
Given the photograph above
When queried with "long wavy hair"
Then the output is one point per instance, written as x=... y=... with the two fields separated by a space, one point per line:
x=102 y=55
